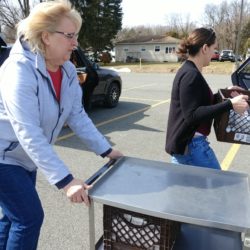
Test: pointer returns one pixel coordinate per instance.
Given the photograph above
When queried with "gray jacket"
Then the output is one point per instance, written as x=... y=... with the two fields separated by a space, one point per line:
x=31 y=117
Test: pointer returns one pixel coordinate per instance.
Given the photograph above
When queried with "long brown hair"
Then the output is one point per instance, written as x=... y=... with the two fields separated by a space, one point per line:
x=196 y=39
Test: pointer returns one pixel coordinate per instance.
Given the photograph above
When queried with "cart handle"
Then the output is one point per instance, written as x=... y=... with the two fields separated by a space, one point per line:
x=97 y=174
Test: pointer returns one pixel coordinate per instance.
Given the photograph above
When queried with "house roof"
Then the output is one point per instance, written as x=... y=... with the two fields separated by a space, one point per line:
x=150 y=40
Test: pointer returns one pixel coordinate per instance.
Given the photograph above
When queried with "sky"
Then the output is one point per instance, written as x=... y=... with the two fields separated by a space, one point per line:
x=155 y=12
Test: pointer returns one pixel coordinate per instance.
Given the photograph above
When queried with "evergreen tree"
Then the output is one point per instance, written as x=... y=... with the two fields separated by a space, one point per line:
x=102 y=19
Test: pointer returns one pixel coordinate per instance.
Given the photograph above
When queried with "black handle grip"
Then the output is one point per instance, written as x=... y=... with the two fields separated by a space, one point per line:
x=96 y=175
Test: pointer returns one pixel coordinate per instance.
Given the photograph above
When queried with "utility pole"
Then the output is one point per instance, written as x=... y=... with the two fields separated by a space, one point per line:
x=238 y=36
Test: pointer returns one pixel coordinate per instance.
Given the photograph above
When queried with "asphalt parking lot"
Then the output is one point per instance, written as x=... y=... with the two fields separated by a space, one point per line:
x=136 y=127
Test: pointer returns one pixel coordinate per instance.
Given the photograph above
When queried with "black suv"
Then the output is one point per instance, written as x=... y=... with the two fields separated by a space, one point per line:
x=100 y=86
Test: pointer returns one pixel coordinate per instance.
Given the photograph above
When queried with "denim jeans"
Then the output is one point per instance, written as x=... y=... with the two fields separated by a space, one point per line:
x=22 y=213
x=198 y=154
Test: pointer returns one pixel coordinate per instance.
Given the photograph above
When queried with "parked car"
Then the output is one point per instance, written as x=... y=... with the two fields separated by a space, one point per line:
x=99 y=86
x=215 y=56
x=227 y=55
x=239 y=58
x=131 y=59
x=241 y=77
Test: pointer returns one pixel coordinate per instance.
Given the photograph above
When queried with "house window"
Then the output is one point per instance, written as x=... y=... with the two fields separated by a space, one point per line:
x=170 y=50
x=157 y=48
x=126 y=49
x=143 y=49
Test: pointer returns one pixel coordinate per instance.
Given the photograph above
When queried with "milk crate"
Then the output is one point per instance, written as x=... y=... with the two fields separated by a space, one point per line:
x=231 y=126
x=126 y=230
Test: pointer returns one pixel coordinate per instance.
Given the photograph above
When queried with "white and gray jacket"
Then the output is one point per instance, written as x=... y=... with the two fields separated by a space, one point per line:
x=31 y=117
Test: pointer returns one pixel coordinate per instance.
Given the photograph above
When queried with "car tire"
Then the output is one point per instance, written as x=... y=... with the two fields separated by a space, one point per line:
x=112 y=95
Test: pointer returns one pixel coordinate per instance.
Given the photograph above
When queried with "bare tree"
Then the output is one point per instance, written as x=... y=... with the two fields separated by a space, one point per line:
x=25 y=7
x=139 y=31
x=11 y=13
x=179 y=24
x=225 y=19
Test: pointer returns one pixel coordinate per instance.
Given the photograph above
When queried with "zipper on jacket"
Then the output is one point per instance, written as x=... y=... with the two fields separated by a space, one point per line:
x=60 y=113
x=11 y=147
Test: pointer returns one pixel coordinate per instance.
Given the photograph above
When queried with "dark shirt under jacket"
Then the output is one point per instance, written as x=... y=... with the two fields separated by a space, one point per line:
x=190 y=107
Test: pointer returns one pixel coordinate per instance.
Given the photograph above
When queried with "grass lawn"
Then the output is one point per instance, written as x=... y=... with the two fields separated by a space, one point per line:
x=167 y=67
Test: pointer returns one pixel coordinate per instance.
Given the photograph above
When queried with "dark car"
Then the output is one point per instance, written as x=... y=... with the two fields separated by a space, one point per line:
x=241 y=77
x=227 y=55
x=100 y=86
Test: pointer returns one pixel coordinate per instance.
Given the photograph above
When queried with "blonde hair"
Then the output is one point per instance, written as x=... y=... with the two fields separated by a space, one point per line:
x=45 y=17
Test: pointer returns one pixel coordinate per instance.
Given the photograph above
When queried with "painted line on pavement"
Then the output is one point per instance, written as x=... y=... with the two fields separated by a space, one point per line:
x=230 y=156
x=64 y=137
x=139 y=87
x=140 y=99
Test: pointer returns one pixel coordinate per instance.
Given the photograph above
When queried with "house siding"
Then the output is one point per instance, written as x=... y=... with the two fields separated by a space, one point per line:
x=148 y=54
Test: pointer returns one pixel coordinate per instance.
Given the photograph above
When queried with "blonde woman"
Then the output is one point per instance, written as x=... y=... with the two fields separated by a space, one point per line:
x=39 y=93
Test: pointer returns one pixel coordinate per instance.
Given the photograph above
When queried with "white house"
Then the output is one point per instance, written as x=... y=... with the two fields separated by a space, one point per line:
x=148 y=48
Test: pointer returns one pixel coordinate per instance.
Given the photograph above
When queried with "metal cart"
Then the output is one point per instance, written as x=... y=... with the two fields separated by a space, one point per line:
x=211 y=205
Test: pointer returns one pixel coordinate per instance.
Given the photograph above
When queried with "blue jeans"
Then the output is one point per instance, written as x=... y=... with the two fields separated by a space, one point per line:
x=198 y=154
x=22 y=213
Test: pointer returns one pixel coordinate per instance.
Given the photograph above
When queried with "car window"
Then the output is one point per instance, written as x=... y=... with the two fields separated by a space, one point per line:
x=246 y=69
x=247 y=83
x=244 y=76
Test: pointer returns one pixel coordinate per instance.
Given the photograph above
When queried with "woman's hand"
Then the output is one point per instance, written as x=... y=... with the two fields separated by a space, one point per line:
x=114 y=154
x=239 y=103
x=236 y=88
x=75 y=191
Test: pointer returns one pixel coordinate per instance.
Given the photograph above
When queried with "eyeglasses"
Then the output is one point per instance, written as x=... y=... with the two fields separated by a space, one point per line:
x=68 y=35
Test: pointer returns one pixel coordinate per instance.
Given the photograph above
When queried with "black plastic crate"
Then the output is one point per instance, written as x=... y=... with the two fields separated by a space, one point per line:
x=231 y=126
x=126 y=230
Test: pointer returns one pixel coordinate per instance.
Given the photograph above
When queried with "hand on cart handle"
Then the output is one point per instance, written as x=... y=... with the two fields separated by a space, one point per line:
x=114 y=154
x=76 y=191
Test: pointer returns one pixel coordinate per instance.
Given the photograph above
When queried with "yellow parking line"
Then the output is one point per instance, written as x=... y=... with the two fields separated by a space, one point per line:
x=230 y=156
x=116 y=119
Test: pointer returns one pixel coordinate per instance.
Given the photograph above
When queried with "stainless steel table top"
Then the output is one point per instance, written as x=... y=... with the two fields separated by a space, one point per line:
x=201 y=196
